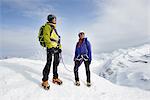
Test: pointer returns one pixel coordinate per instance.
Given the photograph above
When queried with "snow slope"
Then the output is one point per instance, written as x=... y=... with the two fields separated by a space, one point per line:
x=130 y=67
x=21 y=78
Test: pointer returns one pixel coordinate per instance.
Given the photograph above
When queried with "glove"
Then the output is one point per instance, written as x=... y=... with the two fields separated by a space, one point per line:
x=89 y=61
x=59 y=50
x=74 y=59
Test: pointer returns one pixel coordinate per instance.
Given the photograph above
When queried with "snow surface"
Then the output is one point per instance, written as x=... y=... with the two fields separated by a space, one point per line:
x=21 y=78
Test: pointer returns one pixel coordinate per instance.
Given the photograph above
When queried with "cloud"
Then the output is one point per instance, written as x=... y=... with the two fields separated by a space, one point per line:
x=119 y=23
x=31 y=8
x=116 y=24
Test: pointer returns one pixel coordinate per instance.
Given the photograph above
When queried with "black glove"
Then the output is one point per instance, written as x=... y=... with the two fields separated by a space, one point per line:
x=89 y=61
x=59 y=50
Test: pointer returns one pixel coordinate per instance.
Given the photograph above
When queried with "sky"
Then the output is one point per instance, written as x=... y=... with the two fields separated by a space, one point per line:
x=108 y=24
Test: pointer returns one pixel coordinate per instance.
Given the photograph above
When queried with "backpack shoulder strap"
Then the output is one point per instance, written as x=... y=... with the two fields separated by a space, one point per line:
x=51 y=30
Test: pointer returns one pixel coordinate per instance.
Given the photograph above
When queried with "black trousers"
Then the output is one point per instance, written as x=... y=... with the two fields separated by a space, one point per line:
x=87 y=68
x=47 y=67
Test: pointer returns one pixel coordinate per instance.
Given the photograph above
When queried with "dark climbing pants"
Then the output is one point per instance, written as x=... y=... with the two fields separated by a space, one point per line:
x=47 y=67
x=87 y=68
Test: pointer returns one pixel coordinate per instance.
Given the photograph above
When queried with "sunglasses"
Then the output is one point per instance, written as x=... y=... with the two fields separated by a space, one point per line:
x=81 y=33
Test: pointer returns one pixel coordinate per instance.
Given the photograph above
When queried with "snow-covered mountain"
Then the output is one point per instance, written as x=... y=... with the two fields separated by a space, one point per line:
x=130 y=67
x=21 y=78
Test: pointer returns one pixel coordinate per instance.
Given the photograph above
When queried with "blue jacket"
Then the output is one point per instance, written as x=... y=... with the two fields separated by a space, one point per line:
x=85 y=48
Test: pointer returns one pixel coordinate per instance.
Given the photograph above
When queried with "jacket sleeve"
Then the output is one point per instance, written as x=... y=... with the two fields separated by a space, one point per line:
x=89 y=50
x=76 y=53
x=60 y=46
x=46 y=35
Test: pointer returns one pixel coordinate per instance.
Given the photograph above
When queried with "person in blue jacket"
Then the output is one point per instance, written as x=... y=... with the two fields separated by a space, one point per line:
x=82 y=54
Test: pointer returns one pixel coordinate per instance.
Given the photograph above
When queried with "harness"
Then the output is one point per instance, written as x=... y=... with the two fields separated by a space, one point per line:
x=82 y=57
